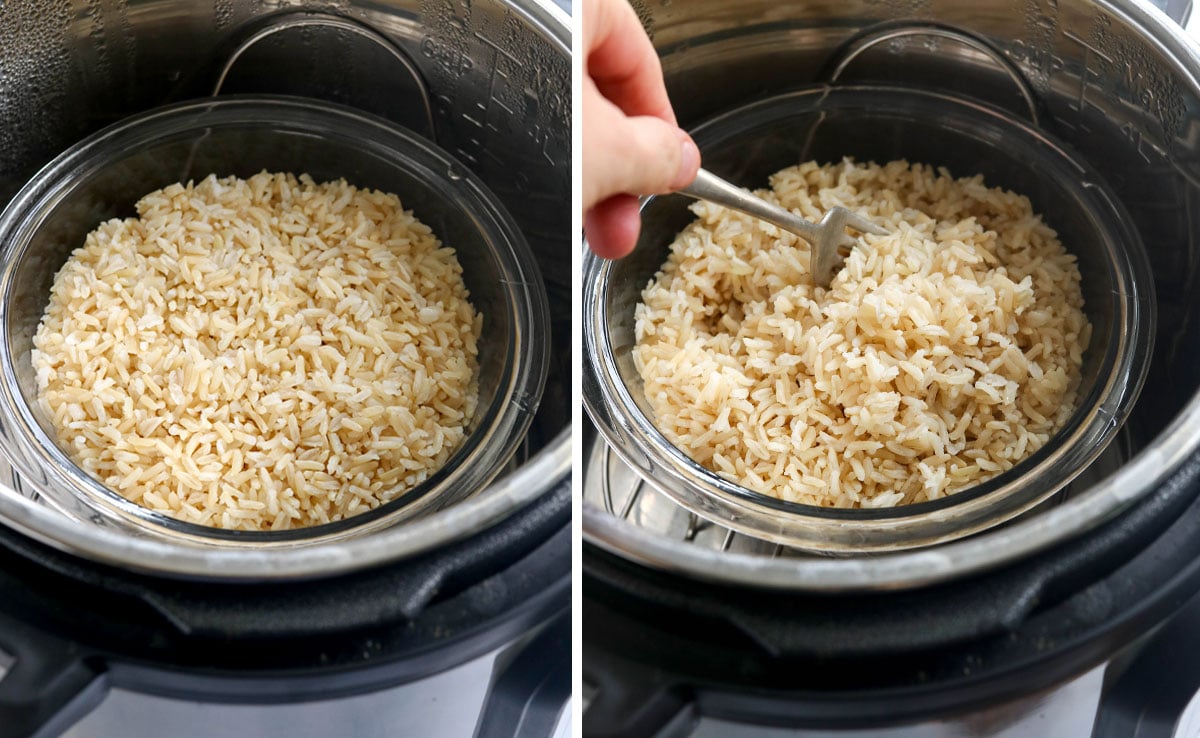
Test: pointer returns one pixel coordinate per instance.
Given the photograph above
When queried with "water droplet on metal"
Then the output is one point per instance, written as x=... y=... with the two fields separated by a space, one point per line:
x=223 y=13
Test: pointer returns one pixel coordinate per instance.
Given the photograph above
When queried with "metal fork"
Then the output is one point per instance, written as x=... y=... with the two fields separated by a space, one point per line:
x=825 y=237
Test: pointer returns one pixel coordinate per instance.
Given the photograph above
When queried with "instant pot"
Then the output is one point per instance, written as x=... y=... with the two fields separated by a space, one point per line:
x=451 y=622
x=1058 y=622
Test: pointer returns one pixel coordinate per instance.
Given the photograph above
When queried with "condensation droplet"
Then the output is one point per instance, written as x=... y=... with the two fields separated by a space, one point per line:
x=222 y=13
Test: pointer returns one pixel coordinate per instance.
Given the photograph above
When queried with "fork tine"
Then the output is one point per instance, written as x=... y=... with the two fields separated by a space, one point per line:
x=831 y=236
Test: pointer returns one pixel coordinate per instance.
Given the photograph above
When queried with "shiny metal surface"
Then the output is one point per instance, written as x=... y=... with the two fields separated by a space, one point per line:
x=498 y=75
x=446 y=704
x=1189 y=721
x=449 y=703
x=336 y=25
x=614 y=487
x=673 y=538
x=1067 y=711
x=1116 y=80
x=936 y=34
x=824 y=238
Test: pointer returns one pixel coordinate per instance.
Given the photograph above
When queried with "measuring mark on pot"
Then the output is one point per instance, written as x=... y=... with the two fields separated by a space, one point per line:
x=1115 y=62
x=1134 y=135
x=501 y=84
x=498 y=80
x=1089 y=70
x=500 y=94
x=1037 y=60
x=452 y=61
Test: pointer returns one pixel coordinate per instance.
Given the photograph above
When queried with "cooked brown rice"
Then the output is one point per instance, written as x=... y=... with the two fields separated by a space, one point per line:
x=943 y=353
x=260 y=354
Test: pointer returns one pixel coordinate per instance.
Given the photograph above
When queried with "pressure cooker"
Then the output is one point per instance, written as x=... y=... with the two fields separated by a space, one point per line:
x=693 y=626
x=453 y=622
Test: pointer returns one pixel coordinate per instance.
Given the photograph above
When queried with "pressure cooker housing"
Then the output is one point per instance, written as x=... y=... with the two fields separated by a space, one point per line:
x=677 y=630
x=487 y=81
x=1120 y=89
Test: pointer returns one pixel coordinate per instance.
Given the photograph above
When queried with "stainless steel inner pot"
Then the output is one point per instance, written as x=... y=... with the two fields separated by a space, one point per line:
x=488 y=82
x=1115 y=81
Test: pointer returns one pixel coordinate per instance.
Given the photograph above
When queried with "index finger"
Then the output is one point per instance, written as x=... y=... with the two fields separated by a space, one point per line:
x=622 y=62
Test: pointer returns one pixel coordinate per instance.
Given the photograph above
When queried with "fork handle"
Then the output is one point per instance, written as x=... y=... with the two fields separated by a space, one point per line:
x=708 y=186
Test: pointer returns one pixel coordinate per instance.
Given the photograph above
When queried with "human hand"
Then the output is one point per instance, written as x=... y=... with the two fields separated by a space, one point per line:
x=632 y=144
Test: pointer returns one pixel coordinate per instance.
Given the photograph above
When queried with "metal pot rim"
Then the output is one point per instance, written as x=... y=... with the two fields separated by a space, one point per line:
x=118 y=548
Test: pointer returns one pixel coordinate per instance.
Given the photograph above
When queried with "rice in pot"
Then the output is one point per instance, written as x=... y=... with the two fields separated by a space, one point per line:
x=943 y=353
x=260 y=354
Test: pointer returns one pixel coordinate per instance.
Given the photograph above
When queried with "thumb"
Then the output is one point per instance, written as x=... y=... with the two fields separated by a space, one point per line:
x=663 y=157
x=637 y=155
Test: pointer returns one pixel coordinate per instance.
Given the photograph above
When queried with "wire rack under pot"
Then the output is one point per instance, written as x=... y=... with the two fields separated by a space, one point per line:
x=611 y=486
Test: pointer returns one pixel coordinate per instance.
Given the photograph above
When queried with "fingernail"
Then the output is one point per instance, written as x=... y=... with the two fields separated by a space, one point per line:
x=689 y=162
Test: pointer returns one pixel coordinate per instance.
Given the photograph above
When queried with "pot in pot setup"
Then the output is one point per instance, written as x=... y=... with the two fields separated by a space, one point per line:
x=451 y=604
x=877 y=123
x=101 y=178
x=702 y=621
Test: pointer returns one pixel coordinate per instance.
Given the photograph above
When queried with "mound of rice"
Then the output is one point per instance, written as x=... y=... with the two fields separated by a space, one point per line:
x=260 y=354
x=943 y=353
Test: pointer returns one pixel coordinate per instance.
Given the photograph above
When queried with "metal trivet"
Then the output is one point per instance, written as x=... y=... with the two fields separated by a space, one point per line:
x=611 y=485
